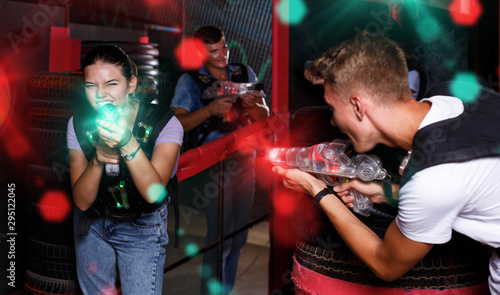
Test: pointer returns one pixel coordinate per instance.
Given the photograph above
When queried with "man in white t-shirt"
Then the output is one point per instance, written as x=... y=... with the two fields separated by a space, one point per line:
x=452 y=181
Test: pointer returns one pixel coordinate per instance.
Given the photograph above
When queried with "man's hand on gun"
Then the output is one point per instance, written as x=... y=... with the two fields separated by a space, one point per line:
x=250 y=100
x=328 y=164
x=298 y=180
x=104 y=154
x=304 y=182
x=373 y=190
x=220 y=106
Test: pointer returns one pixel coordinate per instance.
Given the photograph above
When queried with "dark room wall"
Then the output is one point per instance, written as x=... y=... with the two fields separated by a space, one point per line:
x=453 y=49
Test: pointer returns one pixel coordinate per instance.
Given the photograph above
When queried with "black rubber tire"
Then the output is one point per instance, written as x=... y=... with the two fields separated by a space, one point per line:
x=60 y=233
x=56 y=86
x=145 y=67
x=61 y=87
x=44 y=121
x=58 y=108
x=35 y=284
x=459 y=263
x=144 y=59
x=128 y=47
x=51 y=260
x=39 y=179
x=152 y=72
x=50 y=145
x=95 y=43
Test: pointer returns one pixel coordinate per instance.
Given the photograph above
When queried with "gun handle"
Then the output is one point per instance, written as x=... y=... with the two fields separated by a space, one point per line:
x=362 y=204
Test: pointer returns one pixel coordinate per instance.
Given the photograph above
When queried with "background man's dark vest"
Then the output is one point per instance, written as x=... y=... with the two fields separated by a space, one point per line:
x=149 y=117
x=472 y=135
x=240 y=75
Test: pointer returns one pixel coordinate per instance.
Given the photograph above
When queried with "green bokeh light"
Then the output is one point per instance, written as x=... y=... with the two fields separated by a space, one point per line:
x=205 y=271
x=291 y=11
x=466 y=87
x=450 y=63
x=214 y=286
x=157 y=192
x=429 y=29
x=191 y=249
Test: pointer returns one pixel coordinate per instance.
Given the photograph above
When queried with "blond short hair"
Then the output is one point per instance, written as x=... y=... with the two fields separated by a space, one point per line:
x=366 y=64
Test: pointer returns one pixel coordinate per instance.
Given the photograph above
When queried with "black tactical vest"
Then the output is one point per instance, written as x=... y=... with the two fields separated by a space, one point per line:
x=240 y=75
x=150 y=120
x=472 y=135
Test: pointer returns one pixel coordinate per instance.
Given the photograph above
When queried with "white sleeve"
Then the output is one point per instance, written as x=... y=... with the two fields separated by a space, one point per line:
x=71 y=139
x=429 y=205
x=172 y=132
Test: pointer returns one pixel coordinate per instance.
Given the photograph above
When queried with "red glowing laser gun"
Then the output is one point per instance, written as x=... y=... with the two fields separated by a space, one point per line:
x=233 y=89
x=330 y=163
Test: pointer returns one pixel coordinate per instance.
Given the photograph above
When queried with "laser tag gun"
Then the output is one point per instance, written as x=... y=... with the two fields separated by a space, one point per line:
x=111 y=113
x=330 y=163
x=232 y=89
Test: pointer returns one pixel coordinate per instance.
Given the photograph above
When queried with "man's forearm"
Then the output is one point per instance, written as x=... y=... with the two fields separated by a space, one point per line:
x=258 y=112
x=190 y=121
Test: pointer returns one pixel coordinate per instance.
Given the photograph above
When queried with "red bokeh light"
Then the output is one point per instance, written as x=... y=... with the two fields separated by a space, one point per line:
x=92 y=267
x=16 y=143
x=173 y=6
x=4 y=97
x=465 y=12
x=110 y=291
x=54 y=206
x=191 y=53
x=284 y=205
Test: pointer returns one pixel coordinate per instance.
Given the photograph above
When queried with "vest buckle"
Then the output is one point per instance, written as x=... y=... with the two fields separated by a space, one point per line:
x=119 y=189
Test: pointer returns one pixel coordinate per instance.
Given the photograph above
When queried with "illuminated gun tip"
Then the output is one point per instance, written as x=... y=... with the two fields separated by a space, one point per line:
x=108 y=112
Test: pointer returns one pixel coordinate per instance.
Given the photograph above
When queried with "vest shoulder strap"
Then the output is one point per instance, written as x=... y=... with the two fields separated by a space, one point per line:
x=151 y=116
x=202 y=80
x=86 y=131
x=472 y=135
x=240 y=75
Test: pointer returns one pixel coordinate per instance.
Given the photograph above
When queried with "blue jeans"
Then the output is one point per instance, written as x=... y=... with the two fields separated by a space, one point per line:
x=133 y=250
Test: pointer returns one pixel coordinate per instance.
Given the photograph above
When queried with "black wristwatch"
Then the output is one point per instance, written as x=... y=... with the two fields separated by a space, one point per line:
x=326 y=191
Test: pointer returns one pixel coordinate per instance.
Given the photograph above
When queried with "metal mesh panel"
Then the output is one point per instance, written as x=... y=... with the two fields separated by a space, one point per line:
x=247 y=27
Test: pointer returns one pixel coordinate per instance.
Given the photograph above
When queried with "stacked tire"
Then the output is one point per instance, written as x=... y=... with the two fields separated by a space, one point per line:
x=51 y=259
x=54 y=98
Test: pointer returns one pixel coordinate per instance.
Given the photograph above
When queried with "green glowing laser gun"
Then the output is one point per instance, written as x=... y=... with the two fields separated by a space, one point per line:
x=109 y=113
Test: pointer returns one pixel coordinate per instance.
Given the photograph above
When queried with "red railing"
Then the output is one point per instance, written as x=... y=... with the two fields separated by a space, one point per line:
x=200 y=158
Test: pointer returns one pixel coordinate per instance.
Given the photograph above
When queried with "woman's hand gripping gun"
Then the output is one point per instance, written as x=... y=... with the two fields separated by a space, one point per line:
x=111 y=113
